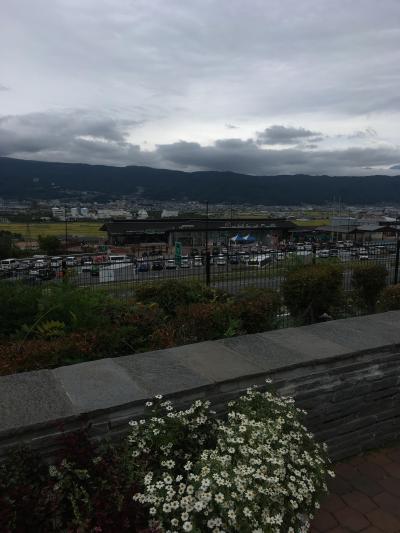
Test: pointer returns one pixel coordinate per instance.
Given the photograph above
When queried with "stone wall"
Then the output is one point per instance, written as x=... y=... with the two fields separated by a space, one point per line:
x=345 y=373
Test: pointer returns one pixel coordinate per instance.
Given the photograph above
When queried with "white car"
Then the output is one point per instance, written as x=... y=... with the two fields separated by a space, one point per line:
x=87 y=266
x=185 y=263
x=221 y=260
x=198 y=261
x=170 y=264
x=56 y=262
x=323 y=254
x=71 y=261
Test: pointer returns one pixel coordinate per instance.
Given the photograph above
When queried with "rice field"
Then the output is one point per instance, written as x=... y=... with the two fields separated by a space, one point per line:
x=33 y=230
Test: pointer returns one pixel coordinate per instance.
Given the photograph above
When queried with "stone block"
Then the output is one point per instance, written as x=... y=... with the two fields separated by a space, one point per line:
x=160 y=372
x=97 y=385
x=215 y=361
x=30 y=399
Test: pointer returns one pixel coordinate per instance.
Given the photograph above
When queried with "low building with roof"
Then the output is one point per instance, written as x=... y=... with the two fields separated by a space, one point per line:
x=194 y=232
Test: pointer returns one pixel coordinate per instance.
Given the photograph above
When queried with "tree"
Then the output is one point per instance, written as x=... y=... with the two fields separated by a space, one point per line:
x=49 y=244
x=6 y=245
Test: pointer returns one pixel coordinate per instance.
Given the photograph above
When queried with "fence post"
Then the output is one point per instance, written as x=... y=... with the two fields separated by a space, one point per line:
x=208 y=270
x=396 y=268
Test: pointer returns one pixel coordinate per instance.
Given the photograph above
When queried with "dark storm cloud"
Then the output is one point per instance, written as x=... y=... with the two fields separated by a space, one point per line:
x=278 y=134
x=59 y=131
x=77 y=136
x=248 y=157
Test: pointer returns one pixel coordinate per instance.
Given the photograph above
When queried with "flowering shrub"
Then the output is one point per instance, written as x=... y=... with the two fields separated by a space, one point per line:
x=257 y=471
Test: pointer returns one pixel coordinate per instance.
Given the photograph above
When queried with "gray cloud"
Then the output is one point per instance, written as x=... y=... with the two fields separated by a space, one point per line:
x=115 y=73
x=77 y=136
x=278 y=134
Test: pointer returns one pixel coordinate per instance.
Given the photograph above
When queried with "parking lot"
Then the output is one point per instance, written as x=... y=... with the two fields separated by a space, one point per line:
x=235 y=268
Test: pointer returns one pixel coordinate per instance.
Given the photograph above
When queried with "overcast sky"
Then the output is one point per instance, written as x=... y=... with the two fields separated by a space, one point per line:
x=256 y=86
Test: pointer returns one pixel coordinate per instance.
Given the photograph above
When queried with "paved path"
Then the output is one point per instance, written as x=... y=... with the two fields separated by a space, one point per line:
x=364 y=495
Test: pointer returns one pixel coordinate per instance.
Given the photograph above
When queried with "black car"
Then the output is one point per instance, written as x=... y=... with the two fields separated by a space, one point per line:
x=234 y=260
x=157 y=265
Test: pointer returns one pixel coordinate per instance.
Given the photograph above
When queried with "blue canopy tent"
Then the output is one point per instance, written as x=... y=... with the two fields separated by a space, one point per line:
x=238 y=239
x=249 y=239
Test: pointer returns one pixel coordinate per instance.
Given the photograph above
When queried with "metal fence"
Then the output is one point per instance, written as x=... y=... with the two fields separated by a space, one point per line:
x=232 y=272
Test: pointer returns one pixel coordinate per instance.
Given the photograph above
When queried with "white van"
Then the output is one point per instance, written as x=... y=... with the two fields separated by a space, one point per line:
x=8 y=264
x=259 y=260
x=118 y=259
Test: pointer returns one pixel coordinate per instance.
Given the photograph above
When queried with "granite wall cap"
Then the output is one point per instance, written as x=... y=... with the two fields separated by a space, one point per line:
x=32 y=398
x=98 y=384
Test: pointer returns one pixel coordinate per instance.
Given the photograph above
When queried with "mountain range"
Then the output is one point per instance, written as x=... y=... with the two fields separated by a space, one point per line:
x=22 y=179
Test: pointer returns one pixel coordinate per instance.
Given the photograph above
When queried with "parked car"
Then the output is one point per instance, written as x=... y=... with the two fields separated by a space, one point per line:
x=158 y=265
x=95 y=270
x=323 y=254
x=170 y=264
x=87 y=266
x=198 y=261
x=71 y=261
x=143 y=266
x=221 y=260
x=8 y=264
x=56 y=262
x=234 y=260
x=185 y=263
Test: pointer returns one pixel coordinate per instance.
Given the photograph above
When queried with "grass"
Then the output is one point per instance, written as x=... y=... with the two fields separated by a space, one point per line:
x=79 y=229
x=316 y=222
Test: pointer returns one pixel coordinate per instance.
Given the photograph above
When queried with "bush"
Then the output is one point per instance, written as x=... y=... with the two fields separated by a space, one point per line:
x=18 y=305
x=34 y=354
x=389 y=299
x=171 y=294
x=205 y=321
x=130 y=328
x=368 y=281
x=77 y=308
x=258 y=470
x=257 y=309
x=312 y=290
x=87 y=490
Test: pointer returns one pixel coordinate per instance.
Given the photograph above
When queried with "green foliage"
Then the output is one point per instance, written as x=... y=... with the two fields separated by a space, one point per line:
x=77 y=308
x=87 y=490
x=389 y=299
x=171 y=294
x=18 y=305
x=205 y=321
x=49 y=244
x=368 y=281
x=312 y=290
x=257 y=309
x=6 y=245
x=51 y=329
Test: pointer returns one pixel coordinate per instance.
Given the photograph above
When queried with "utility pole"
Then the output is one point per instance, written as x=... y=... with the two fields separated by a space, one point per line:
x=396 y=268
x=208 y=276
x=66 y=229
